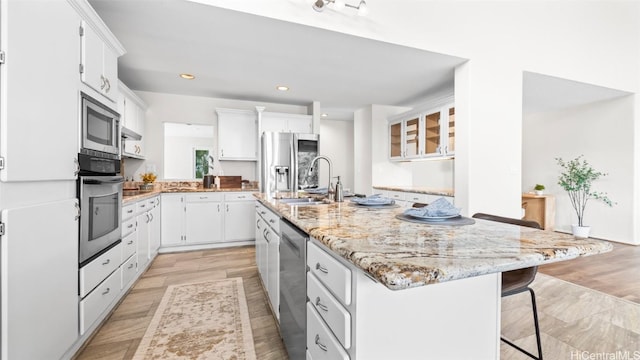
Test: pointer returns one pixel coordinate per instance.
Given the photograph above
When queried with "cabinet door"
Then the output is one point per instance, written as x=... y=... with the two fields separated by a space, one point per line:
x=412 y=141
x=234 y=125
x=110 y=72
x=39 y=276
x=274 y=124
x=302 y=125
x=92 y=58
x=238 y=218
x=154 y=230
x=258 y=236
x=432 y=143
x=143 y=238
x=450 y=135
x=395 y=140
x=203 y=223
x=38 y=89
x=273 y=269
x=172 y=214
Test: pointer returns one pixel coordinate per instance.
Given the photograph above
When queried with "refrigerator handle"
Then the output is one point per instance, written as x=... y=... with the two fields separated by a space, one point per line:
x=294 y=164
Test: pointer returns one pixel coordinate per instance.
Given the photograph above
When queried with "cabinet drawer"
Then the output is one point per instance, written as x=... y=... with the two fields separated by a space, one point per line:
x=396 y=195
x=204 y=197
x=320 y=342
x=142 y=206
x=153 y=202
x=129 y=270
x=128 y=211
x=128 y=226
x=93 y=273
x=330 y=310
x=335 y=276
x=245 y=196
x=129 y=245
x=95 y=303
x=269 y=217
x=416 y=198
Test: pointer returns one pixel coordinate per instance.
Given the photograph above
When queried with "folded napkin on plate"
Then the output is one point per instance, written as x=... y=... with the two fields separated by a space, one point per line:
x=373 y=200
x=439 y=208
x=322 y=190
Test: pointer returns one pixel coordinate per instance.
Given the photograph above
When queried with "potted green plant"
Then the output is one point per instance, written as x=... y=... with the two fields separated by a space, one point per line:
x=539 y=189
x=576 y=178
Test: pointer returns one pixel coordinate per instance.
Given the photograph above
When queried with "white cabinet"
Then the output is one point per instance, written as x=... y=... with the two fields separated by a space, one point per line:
x=234 y=125
x=172 y=224
x=207 y=218
x=39 y=91
x=143 y=234
x=155 y=228
x=39 y=276
x=99 y=63
x=423 y=133
x=238 y=217
x=132 y=116
x=268 y=253
x=203 y=218
x=282 y=122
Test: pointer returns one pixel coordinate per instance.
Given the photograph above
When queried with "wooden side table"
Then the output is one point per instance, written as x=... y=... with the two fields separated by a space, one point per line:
x=540 y=208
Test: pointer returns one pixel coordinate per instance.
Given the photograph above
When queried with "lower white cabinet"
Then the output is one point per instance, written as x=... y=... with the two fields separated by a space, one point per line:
x=97 y=270
x=268 y=253
x=433 y=318
x=148 y=220
x=206 y=218
x=143 y=238
x=239 y=212
x=94 y=304
x=129 y=271
x=203 y=218
x=39 y=277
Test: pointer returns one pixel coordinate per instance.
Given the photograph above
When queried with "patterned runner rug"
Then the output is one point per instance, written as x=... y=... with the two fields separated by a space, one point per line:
x=207 y=320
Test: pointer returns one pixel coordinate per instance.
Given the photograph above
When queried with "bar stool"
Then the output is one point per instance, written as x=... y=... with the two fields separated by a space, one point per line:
x=517 y=281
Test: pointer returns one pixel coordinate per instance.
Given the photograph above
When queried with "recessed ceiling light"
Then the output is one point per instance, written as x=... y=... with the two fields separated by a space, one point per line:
x=324 y=115
x=282 y=88
x=187 y=76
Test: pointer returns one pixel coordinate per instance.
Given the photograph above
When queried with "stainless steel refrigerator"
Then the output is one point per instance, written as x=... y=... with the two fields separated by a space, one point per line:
x=285 y=162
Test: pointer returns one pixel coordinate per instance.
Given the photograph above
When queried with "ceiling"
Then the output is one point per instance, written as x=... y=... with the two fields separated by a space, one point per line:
x=241 y=56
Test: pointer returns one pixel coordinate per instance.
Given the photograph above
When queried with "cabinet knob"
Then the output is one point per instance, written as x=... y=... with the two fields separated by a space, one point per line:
x=320 y=305
x=106 y=291
x=321 y=268
x=106 y=262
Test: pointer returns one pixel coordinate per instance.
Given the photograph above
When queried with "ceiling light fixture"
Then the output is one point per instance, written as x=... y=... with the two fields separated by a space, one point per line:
x=282 y=88
x=324 y=115
x=319 y=6
x=187 y=76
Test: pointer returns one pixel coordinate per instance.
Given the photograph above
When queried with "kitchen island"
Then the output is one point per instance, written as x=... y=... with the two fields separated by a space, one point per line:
x=424 y=291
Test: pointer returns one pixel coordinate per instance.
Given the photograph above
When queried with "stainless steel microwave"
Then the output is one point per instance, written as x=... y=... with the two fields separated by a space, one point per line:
x=100 y=129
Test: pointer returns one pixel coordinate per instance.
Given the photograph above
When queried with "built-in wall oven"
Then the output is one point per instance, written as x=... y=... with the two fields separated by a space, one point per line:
x=100 y=195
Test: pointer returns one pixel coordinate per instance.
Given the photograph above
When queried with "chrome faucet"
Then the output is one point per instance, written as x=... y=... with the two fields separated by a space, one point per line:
x=329 y=190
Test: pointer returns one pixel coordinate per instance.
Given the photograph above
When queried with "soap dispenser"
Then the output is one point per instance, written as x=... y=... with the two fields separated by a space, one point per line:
x=339 y=197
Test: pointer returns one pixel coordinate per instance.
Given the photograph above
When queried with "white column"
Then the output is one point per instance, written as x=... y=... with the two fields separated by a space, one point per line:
x=488 y=96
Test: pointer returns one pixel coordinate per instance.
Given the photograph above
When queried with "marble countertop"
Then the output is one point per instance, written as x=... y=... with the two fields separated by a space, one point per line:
x=417 y=189
x=403 y=255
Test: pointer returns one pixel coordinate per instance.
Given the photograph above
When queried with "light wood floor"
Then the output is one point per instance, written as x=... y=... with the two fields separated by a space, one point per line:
x=121 y=333
x=614 y=273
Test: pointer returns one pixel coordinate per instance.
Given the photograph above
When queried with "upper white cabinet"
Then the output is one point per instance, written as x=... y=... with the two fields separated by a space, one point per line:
x=99 y=55
x=39 y=91
x=423 y=133
x=281 y=122
x=132 y=116
x=233 y=125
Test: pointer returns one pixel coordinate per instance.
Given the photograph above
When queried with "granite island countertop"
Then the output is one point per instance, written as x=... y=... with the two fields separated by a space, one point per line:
x=403 y=255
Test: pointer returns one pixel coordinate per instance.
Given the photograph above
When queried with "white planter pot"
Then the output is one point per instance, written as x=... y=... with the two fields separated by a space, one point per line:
x=539 y=192
x=580 y=232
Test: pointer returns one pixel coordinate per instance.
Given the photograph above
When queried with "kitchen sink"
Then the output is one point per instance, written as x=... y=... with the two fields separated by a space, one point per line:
x=302 y=201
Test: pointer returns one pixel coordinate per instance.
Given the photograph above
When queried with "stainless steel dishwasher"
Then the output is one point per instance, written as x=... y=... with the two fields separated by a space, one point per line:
x=293 y=289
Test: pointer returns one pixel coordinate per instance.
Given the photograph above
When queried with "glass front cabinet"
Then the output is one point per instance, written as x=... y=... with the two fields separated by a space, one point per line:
x=423 y=134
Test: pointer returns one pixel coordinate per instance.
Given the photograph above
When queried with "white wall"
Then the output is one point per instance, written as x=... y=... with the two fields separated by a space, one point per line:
x=336 y=142
x=362 y=158
x=196 y=110
x=603 y=132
